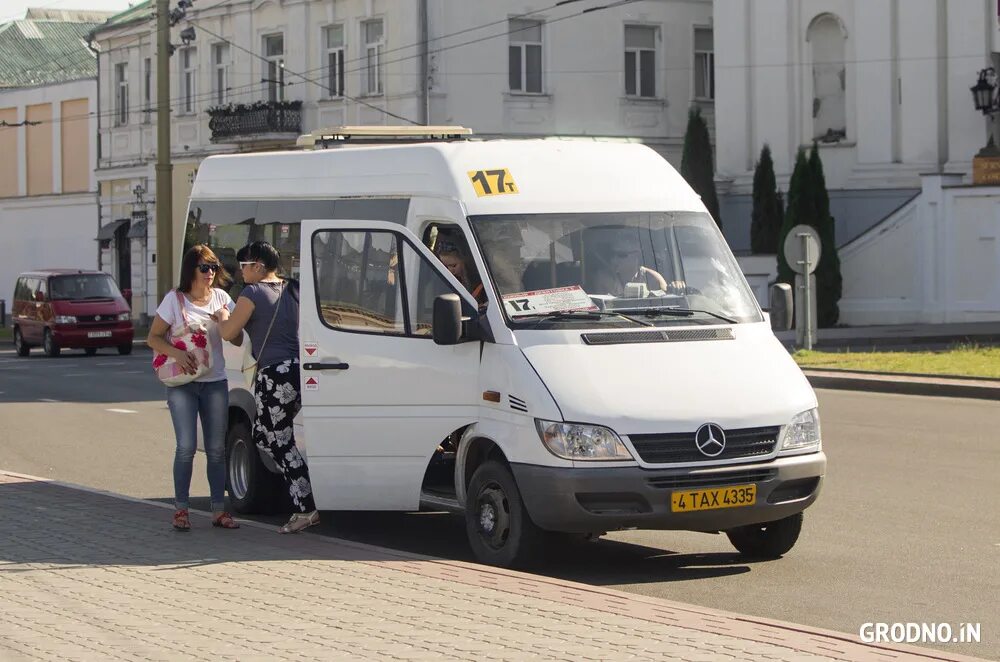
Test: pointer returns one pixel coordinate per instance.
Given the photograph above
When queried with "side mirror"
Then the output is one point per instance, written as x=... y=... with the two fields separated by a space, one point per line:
x=447 y=319
x=781 y=306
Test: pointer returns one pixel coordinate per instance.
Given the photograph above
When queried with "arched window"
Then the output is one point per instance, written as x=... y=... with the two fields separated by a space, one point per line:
x=827 y=41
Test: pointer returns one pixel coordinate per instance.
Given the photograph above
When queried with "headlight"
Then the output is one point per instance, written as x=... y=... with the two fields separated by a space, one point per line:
x=572 y=441
x=124 y=317
x=64 y=319
x=803 y=431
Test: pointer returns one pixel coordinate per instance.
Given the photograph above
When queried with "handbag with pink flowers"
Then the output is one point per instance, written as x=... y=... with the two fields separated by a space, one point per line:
x=191 y=338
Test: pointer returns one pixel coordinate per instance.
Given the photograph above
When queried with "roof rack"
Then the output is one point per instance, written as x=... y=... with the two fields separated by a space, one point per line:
x=380 y=134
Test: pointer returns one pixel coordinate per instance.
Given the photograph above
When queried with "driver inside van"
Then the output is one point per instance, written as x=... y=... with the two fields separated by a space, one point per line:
x=617 y=262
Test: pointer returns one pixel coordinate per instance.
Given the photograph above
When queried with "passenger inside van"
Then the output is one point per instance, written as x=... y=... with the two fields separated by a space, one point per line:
x=455 y=257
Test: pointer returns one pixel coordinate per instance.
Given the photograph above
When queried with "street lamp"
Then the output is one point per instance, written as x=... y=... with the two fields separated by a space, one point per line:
x=983 y=92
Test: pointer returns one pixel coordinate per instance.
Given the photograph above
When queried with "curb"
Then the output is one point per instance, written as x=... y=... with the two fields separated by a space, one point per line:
x=949 y=387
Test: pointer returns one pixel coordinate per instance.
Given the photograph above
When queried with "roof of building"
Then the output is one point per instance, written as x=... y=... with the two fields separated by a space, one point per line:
x=138 y=12
x=48 y=46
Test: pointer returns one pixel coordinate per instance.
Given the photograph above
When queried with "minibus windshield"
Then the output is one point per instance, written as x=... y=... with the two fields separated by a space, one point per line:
x=82 y=286
x=655 y=267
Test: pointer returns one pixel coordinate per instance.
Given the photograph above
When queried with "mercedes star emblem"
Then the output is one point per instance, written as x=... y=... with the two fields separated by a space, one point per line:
x=710 y=440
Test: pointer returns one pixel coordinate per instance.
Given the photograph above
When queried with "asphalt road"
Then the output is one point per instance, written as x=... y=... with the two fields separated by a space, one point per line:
x=907 y=528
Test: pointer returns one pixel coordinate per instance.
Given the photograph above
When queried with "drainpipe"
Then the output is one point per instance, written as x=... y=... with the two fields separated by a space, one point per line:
x=425 y=73
x=97 y=59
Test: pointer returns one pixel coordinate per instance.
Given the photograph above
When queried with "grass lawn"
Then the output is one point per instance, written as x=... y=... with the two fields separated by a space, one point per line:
x=966 y=361
x=5 y=334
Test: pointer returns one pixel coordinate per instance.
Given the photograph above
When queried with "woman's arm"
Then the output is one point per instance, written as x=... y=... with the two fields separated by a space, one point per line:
x=157 y=341
x=231 y=324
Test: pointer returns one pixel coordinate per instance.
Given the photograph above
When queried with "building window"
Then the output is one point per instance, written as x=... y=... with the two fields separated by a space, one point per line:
x=525 y=56
x=121 y=94
x=220 y=73
x=640 y=61
x=189 y=79
x=829 y=77
x=371 y=32
x=704 y=64
x=333 y=41
x=147 y=90
x=274 y=51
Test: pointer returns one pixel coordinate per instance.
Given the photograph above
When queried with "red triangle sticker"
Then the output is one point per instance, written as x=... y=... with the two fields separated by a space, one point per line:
x=310 y=350
x=311 y=381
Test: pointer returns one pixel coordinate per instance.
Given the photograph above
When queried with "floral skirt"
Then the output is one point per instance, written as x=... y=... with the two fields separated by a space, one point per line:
x=279 y=399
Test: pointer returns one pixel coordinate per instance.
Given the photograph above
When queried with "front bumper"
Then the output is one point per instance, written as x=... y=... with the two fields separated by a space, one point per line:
x=74 y=337
x=610 y=498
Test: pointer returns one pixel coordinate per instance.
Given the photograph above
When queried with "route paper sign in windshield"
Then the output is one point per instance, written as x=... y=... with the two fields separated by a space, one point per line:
x=555 y=300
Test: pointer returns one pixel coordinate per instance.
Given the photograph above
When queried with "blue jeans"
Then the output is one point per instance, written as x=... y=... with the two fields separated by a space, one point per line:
x=210 y=400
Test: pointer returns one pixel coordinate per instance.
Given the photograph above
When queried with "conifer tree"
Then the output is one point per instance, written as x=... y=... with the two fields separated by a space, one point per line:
x=696 y=162
x=801 y=206
x=829 y=282
x=767 y=214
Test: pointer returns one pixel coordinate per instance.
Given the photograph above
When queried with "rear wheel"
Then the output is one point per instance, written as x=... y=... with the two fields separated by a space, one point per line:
x=20 y=346
x=90 y=351
x=125 y=349
x=767 y=540
x=498 y=526
x=49 y=344
x=252 y=487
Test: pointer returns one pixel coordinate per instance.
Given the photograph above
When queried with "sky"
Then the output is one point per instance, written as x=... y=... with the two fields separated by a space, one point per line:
x=14 y=9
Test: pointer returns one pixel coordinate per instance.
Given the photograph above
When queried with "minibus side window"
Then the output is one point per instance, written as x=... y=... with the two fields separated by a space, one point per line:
x=358 y=281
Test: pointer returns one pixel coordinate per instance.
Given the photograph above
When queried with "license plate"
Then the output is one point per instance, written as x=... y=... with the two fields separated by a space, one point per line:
x=98 y=334
x=724 y=497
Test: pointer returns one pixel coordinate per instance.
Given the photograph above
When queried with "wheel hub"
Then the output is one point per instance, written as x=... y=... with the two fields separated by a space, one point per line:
x=493 y=519
x=239 y=471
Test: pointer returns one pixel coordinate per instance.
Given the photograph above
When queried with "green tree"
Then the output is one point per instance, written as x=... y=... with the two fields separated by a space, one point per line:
x=696 y=162
x=767 y=215
x=809 y=204
x=829 y=282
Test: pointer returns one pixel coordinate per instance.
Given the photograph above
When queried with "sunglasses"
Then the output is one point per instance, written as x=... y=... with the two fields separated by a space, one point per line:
x=205 y=268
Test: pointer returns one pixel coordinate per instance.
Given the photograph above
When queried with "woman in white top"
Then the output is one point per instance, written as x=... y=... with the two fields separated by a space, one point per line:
x=207 y=397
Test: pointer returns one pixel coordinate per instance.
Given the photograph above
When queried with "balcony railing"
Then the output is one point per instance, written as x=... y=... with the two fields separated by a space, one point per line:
x=262 y=120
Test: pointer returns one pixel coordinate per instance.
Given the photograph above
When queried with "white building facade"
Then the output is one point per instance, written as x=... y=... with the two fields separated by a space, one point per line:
x=883 y=86
x=48 y=145
x=273 y=70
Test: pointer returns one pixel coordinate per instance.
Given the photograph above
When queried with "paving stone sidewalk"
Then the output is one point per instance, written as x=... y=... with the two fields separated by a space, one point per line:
x=86 y=575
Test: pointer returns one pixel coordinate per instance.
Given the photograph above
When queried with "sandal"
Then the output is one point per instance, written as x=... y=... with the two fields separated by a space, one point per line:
x=181 y=521
x=225 y=521
x=300 y=521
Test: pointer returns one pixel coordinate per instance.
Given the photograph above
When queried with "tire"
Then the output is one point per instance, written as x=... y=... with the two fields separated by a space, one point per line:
x=497 y=524
x=768 y=540
x=90 y=351
x=125 y=350
x=49 y=345
x=22 y=348
x=252 y=487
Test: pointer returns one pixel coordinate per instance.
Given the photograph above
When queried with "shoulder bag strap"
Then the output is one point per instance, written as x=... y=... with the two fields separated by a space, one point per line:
x=267 y=335
x=180 y=304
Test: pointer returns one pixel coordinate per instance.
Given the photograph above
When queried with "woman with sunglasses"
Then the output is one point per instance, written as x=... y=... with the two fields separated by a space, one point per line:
x=202 y=294
x=268 y=308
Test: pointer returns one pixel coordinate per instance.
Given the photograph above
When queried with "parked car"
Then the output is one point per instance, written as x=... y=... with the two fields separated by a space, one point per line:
x=70 y=309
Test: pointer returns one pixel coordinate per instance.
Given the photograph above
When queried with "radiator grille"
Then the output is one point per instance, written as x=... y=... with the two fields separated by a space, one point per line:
x=680 y=446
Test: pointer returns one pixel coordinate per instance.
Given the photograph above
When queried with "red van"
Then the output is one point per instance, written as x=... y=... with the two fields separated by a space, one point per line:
x=70 y=308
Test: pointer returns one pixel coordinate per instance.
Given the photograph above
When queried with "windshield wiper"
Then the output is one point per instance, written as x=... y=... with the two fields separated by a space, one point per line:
x=538 y=318
x=677 y=312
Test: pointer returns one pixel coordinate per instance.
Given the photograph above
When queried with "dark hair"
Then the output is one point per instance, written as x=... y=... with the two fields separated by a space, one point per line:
x=260 y=251
x=190 y=264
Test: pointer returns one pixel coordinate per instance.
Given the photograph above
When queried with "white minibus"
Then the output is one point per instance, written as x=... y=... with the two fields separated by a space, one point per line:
x=595 y=362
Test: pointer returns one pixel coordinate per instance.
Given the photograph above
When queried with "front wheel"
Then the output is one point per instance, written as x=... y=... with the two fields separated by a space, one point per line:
x=252 y=487
x=49 y=344
x=125 y=349
x=767 y=540
x=90 y=351
x=497 y=524
x=20 y=346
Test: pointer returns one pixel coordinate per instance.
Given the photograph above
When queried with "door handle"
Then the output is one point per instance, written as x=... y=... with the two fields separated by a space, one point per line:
x=325 y=366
